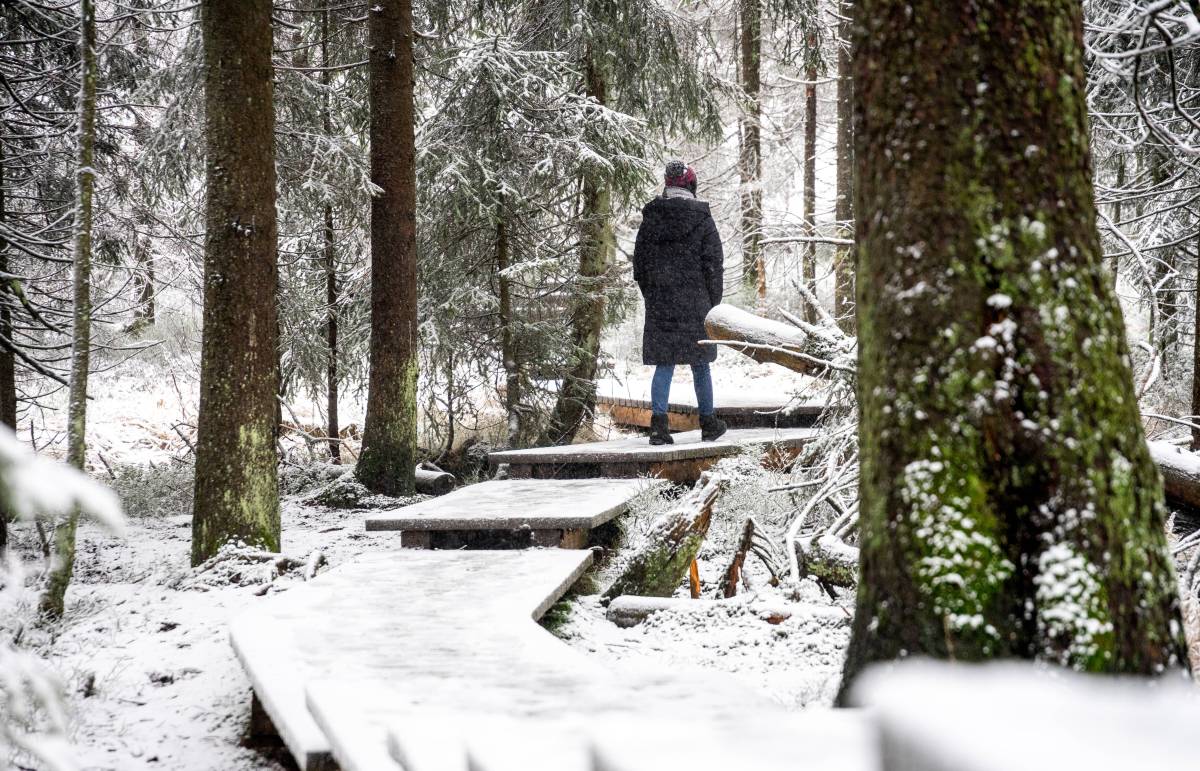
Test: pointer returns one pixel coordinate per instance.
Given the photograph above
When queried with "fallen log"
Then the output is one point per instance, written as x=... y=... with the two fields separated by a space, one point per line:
x=631 y=610
x=774 y=342
x=657 y=568
x=1180 y=471
x=828 y=558
x=431 y=482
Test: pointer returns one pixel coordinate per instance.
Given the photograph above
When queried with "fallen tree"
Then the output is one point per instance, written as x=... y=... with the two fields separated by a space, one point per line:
x=631 y=610
x=657 y=568
x=805 y=348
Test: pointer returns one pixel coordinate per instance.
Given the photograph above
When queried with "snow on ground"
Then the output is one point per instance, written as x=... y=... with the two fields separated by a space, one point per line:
x=144 y=646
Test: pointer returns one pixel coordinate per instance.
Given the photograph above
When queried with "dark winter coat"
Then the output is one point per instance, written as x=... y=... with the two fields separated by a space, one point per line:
x=679 y=266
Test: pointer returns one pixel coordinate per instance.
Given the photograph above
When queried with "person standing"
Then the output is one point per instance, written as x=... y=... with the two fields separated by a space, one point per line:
x=678 y=264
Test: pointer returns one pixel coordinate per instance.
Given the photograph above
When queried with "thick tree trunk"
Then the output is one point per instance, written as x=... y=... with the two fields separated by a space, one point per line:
x=808 y=264
x=81 y=332
x=508 y=338
x=577 y=395
x=237 y=495
x=843 y=308
x=389 y=444
x=754 y=274
x=1009 y=506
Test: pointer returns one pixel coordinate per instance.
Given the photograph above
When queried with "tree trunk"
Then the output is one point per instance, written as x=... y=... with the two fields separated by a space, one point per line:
x=143 y=258
x=236 y=494
x=389 y=445
x=577 y=395
x=8 y=375
x=844 y=269
x=808 y=263
x=1009 y=506
x=333 y=430
x=508 y=341
x=1195 y=416
x=754 y=274
x=81 y=332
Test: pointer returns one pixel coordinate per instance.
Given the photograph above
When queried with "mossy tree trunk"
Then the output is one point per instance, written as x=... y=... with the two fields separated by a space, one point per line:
x=63 y=566
x=844 y=260
x=750 y=161
x=236 y=494
x=389 y=447
x=576 y=400
x=1009 y=505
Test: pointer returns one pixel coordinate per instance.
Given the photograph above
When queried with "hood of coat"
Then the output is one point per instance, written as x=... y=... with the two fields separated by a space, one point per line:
x=673 y=218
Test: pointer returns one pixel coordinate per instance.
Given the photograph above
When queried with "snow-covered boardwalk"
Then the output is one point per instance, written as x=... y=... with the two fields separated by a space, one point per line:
x=681 y=462
x=629 y=405
x=546 y=512
x=400 y=662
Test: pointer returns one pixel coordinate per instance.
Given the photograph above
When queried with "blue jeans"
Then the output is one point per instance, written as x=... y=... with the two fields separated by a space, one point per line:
x=660 y=388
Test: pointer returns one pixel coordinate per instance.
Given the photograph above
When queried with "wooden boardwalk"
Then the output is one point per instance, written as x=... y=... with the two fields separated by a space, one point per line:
x=629 y=405
x=681 y=462
x=522 y=512
x=354 y=665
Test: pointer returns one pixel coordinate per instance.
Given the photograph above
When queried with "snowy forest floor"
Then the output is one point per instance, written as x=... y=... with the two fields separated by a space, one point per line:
x=144 y=650
x=154 y=683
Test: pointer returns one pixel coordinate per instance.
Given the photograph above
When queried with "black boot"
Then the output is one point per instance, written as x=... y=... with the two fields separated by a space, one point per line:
x=660 y=431
x=712 y=428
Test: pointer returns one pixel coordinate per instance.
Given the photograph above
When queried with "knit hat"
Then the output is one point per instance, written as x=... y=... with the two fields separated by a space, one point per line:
x=679 y=174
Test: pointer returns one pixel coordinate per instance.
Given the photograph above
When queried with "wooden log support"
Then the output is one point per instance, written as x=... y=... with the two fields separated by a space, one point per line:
x=657 y=568
x=416 y=539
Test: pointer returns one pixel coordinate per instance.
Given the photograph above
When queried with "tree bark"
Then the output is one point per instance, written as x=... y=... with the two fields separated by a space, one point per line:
x=236 y=494
x=1008 y=504
x=508 y=340
x=63 y=566
x=333 y=430
x=808 y=263
x=844 y=269
x=754 y=274
x=1195 y=416
x=577 y=395
x=389 y=444
x=8 y=376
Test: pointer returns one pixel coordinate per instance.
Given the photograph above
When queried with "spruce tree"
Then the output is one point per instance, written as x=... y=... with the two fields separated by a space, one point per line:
x=388 y=460
x=236 y=493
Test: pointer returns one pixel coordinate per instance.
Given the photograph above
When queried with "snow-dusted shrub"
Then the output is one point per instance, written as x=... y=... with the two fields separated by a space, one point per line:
x=33 y=715
x=154 y=490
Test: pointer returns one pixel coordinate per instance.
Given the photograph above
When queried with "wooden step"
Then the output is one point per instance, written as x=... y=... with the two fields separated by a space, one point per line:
x=681 y=462
x=532 y=512
x=628 y=404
